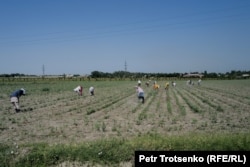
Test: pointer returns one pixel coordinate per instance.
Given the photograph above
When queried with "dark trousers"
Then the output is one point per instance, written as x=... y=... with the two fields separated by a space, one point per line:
x=141 y=97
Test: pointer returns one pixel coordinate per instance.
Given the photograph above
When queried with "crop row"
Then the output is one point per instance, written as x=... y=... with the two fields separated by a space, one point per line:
x=59 y=115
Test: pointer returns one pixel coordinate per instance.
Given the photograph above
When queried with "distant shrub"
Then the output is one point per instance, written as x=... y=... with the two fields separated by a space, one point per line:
x=45 y=89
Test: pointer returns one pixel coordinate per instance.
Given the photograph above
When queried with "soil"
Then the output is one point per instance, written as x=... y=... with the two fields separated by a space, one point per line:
x=65 y=117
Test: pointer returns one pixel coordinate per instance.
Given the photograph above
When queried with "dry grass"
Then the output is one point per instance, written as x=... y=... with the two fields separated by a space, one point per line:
x=58 y=115
x=53 y=113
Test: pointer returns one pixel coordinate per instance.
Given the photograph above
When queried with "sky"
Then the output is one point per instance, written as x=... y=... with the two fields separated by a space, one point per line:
x=151 y=36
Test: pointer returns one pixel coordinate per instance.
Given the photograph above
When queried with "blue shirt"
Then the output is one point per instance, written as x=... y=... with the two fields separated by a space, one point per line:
x=17 y=93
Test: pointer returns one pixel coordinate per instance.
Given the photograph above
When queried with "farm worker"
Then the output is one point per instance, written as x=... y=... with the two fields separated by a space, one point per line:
x=139 y=82
x=188 y=82
x=174 y=84
x=79 y=89
x=140 y=93
x=199 y=81
x=91 y=91
x=156 y=86
x=166 y=85
x=14 y=98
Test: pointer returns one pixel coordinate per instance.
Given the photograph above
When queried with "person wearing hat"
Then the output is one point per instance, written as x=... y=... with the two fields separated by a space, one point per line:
x=14 y=98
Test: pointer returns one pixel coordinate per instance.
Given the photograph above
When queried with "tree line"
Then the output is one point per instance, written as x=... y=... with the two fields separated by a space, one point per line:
x=125 y=74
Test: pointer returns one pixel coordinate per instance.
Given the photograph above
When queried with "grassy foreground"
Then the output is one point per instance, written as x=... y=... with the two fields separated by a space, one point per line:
x=115 y=151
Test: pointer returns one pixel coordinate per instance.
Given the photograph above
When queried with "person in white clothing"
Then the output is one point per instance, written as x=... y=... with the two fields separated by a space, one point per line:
x=91 y=91
x=199 y=82
x=139 y=83
x=78 y=90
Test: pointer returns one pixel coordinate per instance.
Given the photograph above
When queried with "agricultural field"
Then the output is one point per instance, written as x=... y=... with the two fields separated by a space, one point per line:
x=53 y=113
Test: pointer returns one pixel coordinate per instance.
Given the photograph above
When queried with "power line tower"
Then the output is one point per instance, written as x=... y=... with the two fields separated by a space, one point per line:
x=125 y=65
x=43 y=70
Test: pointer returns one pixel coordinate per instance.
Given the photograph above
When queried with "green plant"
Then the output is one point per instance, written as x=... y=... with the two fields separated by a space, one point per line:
x=45 y=89
x=90 y=111
x=103 y=127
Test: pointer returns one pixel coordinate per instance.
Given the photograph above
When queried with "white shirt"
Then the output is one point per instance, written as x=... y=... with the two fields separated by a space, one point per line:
x=91 y=89
x=77 y=89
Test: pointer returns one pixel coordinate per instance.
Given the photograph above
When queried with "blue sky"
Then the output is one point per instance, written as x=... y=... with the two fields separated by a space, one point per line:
x=165 y=36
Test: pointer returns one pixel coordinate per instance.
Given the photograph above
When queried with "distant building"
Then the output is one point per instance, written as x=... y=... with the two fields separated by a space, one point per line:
x=245 y=76
x=193 y=76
